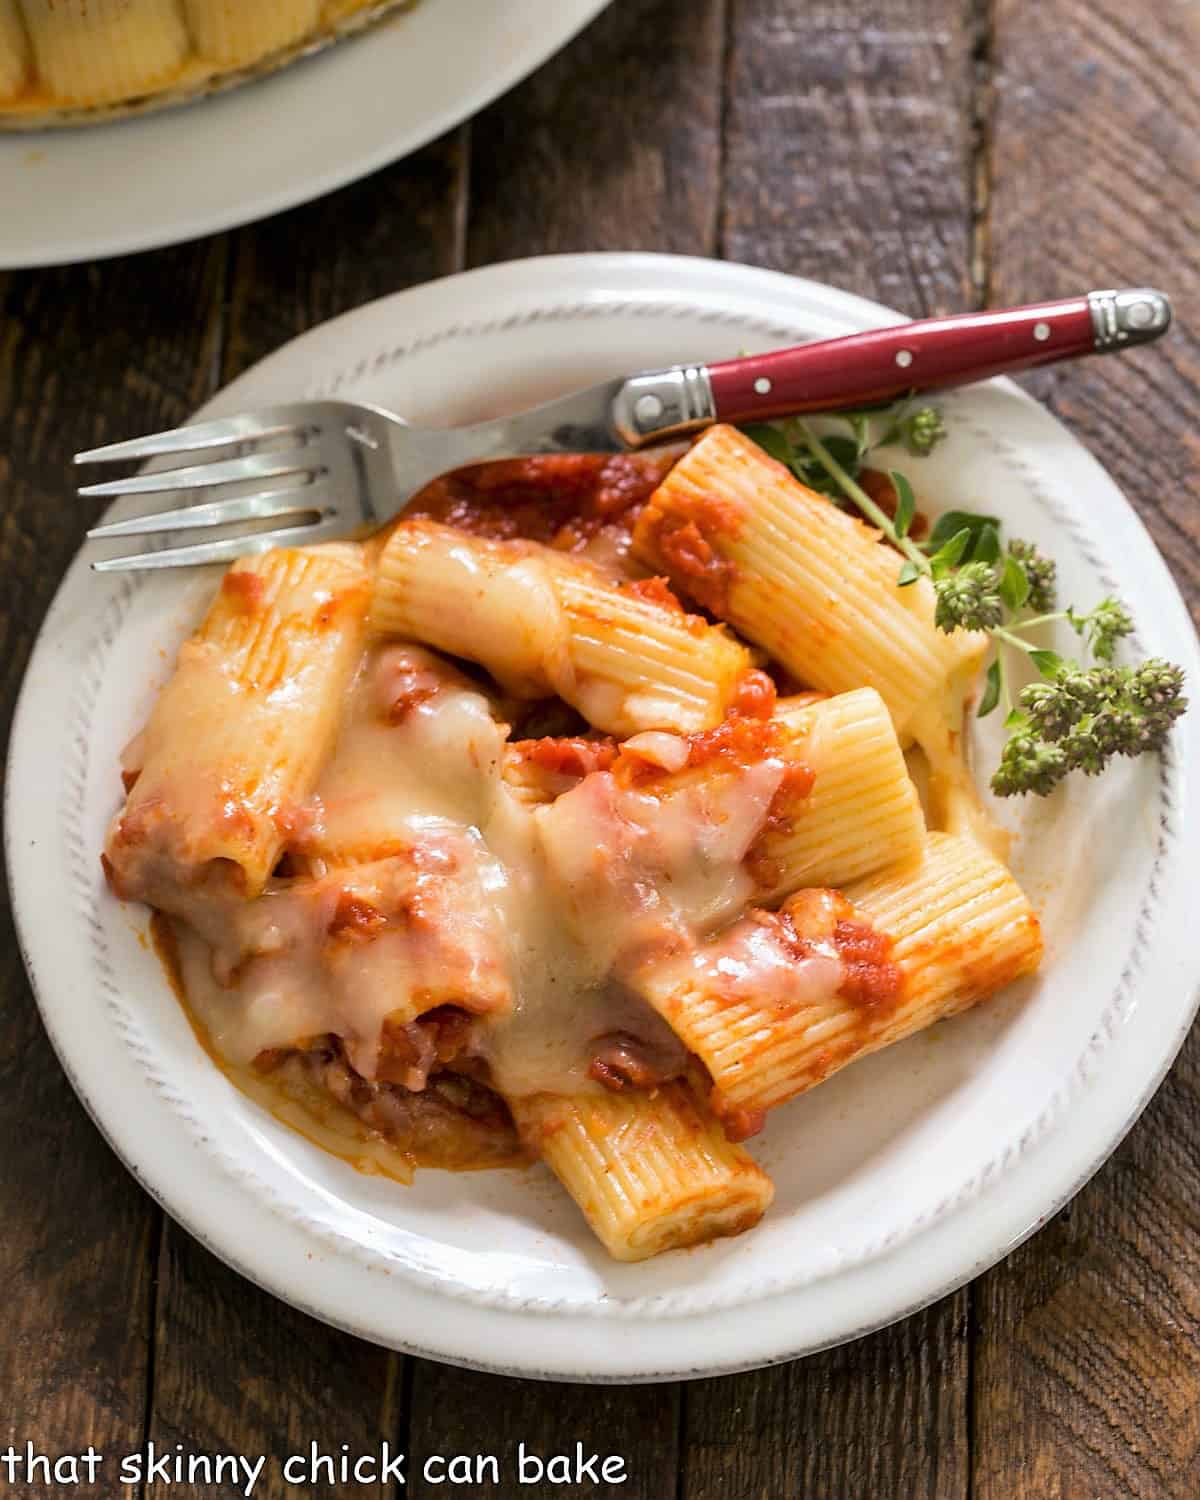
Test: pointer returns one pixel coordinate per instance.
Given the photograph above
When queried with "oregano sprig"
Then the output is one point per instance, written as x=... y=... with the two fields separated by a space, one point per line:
x=1076 y=716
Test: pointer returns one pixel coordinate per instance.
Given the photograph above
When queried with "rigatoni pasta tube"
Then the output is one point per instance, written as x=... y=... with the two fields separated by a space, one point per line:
x=14 y=51
x=736 y=531
x=650 y=1172
x=542 y=622
x=639 y=661
x=96 y=51
x=862 y=810
x=783 y=1000
x=232 y=32
x=240 y=732
x=645 y=853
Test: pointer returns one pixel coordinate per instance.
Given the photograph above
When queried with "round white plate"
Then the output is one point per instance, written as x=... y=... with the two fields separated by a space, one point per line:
x=80 y=193
x=897 y=1180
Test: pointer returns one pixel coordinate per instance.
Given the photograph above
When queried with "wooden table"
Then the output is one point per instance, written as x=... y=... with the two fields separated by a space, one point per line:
x=934 y=154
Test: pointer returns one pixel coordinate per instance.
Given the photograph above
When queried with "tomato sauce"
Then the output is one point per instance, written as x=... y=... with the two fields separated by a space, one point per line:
x=871 y=981
x=571 y=756
x=560 y=499
x=654 y=591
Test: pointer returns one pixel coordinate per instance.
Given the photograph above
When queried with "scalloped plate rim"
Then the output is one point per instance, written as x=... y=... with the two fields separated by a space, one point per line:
x=748 y=1334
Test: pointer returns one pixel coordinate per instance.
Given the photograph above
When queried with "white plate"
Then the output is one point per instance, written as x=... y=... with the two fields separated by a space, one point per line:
x=897 y=1181
x=77 y=194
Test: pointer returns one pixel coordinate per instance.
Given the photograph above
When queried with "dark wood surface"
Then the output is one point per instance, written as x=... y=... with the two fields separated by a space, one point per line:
x=931 y=153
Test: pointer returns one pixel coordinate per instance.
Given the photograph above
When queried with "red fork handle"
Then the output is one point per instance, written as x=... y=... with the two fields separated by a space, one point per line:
x=887 y=363
x=880 y=366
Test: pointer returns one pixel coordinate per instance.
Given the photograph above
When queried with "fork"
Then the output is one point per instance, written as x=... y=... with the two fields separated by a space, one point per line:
x=325 y=469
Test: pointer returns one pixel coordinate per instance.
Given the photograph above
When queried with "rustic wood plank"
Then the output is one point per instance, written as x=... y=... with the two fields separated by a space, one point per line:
x=238 y=1372
x=848 y=146
x=224 y=1351
x=394 y=229
x=1087 y=1369
x=1095 y=184
x=848 y=158
x=884 y=1417
x=460 y=1412
x=87 y=354
x=613 y=145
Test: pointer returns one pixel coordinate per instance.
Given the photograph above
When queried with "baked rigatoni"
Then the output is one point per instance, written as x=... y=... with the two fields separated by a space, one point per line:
x=240 y=732
x=781 y=1000
x=649 y=1171
x=97 y=51
x=811 y=585
x=626 y=656
x=14 y=51
x=232 y=33
x=624 y=941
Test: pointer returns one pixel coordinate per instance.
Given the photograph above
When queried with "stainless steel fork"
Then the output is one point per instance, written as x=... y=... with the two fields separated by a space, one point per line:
x=322 y=469
x=332 y=468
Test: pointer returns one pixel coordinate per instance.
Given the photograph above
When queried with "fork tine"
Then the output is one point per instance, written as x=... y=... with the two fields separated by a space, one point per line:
x=249 y=427
x=202 y=476
x=265 y=505
x=226 y=550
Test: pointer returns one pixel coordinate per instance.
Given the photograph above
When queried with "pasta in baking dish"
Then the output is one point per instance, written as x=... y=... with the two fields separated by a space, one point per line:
x=480 y=841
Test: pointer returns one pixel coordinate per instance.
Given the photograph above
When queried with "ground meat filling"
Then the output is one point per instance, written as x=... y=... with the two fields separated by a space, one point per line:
x=410 y=1052
x=622 y=1063
x=455 y=1120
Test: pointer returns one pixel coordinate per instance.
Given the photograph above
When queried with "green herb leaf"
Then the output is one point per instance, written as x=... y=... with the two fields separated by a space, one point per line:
x=991 y=691
x=771 y=441
x=1048 y=663
x=950 y=555
x=844 y=451
x=909 y=573
x=973 y=523
x=1015 y=719
x=906 y=502
x=987 y=544
x=1014 y=583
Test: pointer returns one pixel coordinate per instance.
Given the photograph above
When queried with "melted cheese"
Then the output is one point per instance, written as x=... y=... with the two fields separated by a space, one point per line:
x=750 y=963
x=426 y=882
x=406 y=763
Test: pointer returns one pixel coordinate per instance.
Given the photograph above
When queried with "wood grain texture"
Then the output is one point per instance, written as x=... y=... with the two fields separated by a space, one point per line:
x=237 y=1372
x=401 y=226
x=613 y=145
x=848 y=145
x=87 y=354
x=234 y=1370
x=885 y=1417
x=1096 y=182
x=457 y=1411
x=848 y=158
x=1087 y=1361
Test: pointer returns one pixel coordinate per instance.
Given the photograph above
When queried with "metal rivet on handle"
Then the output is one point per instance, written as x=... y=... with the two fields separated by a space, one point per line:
x=763 y=386
x=1041 y=332
x=647 y=409
x=904 y=358
x=1140 y=314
